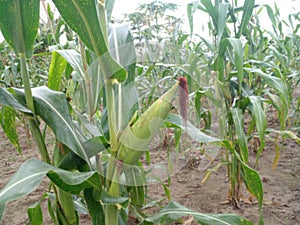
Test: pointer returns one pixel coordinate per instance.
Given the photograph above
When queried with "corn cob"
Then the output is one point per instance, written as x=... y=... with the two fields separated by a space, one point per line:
x=135 y=140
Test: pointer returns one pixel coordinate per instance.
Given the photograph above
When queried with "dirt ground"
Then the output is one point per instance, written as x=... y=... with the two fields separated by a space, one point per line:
x=281 y=186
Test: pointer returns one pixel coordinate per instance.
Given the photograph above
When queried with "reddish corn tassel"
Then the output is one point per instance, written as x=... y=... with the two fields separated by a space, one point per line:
x=183 y=95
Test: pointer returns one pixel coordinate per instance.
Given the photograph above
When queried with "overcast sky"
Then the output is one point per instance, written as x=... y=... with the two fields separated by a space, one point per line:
x=128 y=6
x=286 y=7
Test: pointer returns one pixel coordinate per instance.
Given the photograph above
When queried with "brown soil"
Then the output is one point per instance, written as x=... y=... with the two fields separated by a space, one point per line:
x=281 y=186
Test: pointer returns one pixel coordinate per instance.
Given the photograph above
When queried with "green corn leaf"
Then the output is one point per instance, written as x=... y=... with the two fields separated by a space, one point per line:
x=94 y=206
x=135 y=176
x=57 y=68
x=280 y=57
x=73 y=162
x=251 y=177
x=122 y=48
x=286 y=133
x=8 y=123
x=239 y=56
x=272 y=17
x=32 y=172
x=87 y=18
x=19 y=23
x=255 y=187
x=83 y=18
x=108 y=199
x=222 y=18
x=212 y=11
x=52 y=106
x=8 y=99
x=260 y=122
x=238 y=120
x=281 y=108
x=174 y=211
x=35 y=214
x=66 y=209
x=74 y=60
x=275 y=83
x=219 y=62
x=247 y=14
x=137 y=195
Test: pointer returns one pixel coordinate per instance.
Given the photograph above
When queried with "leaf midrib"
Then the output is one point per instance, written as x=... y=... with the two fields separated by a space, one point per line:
x=91 y=36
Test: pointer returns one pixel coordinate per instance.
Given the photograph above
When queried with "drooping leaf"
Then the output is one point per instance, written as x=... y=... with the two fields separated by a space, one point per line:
x=280 y=105
x=191 y=130
x=9 y=100
x=19 y=23
x=173 y=211
x=52 y=106
x=276 y=83
x=57 y=67
x=8 y=123
x=286 y=133
x=35 y=214
x=32 y=172
x=238 y=120
x=260 y=122
x=88 y=20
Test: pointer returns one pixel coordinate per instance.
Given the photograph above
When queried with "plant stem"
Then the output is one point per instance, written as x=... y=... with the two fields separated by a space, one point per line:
x=26 y=82
x=110 y=104
x=87 y=81
x=30 y=104
x=111 y=211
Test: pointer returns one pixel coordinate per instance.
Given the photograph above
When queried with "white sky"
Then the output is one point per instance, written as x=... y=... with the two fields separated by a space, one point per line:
x=286 y=7
x=123 y=6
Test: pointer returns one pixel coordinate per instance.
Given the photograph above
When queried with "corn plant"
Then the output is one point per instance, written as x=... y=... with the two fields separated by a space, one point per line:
x=99 y=135
x=244 y=83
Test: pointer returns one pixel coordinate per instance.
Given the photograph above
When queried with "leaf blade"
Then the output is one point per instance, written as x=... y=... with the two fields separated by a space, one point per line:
x=52 y=106
x=32 y=172
x=86 y=19
x=174 y=211
x=19 y=23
